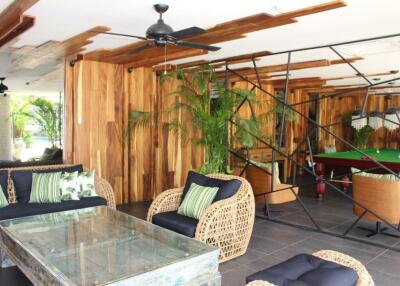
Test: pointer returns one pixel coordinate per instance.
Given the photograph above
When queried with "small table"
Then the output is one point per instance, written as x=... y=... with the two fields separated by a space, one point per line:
x=102 y=246
x=328 y=161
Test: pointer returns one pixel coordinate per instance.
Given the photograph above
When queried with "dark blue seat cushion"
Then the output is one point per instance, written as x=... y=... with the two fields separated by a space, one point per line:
x=176 y=222
x=307 y=270
x=29 y=209
x=4 y=181
x=22 y=180
x=226 y=188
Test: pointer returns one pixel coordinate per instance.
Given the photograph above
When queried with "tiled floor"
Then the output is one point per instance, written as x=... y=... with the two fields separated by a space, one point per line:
x=272 y=242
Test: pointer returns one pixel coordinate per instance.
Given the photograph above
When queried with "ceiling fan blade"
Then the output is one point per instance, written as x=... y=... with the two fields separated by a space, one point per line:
x=186 y=33
x=141 y=48
x=198 y=46
x=125 y=35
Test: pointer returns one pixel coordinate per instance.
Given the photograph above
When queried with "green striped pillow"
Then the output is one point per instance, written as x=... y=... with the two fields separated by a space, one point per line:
x=197 y=200
x=3 y=199
x=45 y=188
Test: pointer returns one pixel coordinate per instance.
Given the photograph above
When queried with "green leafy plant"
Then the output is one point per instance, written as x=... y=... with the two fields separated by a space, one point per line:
x=209 y=115
x=19 y=110
x=45 y=113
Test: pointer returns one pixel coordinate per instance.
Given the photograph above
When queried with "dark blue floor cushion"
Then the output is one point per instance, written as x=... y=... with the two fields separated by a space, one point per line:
x=307 y=270
x=29 y=209
x=176 y=222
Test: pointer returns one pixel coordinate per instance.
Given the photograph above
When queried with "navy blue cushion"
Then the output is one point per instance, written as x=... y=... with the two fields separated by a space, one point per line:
x=307 y=270
x=29 y=209
x=4 y=181
x=22 y=180
x=226 y=188
x=176 y=222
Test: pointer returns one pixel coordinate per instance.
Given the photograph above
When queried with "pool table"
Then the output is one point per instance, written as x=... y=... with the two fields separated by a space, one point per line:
x=340 y=161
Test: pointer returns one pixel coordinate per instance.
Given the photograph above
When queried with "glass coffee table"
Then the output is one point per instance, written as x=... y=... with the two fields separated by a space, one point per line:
x=102 y=246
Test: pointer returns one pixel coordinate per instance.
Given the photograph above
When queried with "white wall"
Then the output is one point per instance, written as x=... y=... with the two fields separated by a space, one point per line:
x=5 y=128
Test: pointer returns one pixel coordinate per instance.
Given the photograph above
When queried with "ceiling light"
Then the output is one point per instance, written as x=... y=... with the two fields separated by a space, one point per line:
x=358 y=119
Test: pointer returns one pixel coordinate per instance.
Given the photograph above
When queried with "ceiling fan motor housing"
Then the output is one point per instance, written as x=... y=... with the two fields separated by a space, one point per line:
x=159 y=30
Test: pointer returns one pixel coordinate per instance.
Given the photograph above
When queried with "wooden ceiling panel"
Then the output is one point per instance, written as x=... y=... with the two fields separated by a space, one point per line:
x=54 y=50
x=219 y=33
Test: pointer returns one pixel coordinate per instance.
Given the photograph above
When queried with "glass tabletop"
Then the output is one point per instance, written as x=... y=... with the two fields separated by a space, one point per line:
x=99 y=245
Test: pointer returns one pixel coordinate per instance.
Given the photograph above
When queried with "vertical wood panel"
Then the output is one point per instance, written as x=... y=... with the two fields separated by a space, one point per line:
x=94 y=93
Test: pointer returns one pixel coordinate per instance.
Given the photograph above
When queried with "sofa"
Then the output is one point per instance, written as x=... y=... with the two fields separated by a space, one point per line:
x=16 y=184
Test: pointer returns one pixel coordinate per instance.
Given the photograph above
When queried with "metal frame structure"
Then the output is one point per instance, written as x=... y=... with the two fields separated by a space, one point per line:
x=314 y=126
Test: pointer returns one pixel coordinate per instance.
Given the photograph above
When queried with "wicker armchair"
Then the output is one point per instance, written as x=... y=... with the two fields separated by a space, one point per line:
x=364 y=278
x=227 y=224
x=103 y=188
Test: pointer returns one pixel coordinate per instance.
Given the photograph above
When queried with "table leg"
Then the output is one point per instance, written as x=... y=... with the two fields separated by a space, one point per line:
x=345 y=183
x=320 y=187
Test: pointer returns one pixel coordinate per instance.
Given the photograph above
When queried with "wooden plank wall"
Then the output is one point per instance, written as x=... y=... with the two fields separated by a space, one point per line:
x=264 y=103
x=331 y=110
x=296 y=131
x=139 y=94
x=100 y=96
x=175 y=154
x=93 y=98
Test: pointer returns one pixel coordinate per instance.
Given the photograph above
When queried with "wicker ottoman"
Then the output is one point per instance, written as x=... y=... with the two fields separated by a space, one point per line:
x=364 y=278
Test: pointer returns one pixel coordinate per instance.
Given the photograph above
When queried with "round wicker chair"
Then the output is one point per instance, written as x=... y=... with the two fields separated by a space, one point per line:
x=227 y=224
x=364 y=278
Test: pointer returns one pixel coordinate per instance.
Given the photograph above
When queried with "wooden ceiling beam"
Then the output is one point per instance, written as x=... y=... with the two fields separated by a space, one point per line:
x=170 y=57
x=12 y=16
x=314 y=9
x=27 y=22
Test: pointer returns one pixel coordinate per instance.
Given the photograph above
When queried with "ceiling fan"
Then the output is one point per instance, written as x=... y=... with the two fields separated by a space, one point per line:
x=160 y=34
x=3 y=87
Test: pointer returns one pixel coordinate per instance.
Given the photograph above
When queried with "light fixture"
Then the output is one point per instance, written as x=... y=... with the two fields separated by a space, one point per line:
x=358 y=119
x=375 y=120
x=392 y=114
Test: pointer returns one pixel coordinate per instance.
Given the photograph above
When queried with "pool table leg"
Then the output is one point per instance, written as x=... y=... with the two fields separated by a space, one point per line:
x=320 y=187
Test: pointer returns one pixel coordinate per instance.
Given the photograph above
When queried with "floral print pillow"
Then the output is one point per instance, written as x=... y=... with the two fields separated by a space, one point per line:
x=69 y=185
x=86 y=182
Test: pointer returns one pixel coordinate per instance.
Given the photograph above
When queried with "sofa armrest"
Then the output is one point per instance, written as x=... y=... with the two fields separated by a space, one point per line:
x=168 y=200
x=104 y=190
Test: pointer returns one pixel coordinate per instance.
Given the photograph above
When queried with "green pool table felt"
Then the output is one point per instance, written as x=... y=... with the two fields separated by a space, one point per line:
x=385 y=155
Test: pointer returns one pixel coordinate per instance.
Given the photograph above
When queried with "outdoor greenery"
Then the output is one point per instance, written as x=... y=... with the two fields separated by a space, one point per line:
x=209 y=116
x=44 y=113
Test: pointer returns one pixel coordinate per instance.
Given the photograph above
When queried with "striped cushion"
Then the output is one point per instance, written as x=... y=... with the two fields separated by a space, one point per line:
x=45 y=188
x=197 y=200
x=3 y=199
